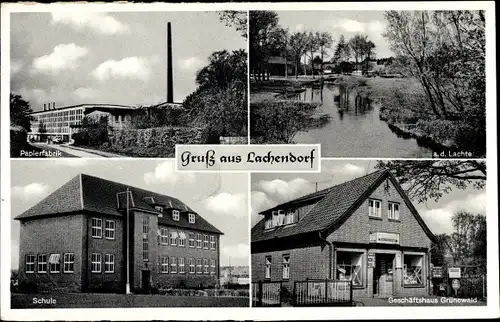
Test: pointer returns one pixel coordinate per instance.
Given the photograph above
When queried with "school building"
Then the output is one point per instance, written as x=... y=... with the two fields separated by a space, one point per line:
x=82 y=236
x=365 y=231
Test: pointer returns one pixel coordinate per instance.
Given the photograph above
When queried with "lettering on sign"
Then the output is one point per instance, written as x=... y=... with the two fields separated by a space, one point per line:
x=454 y=272
x=384 y=238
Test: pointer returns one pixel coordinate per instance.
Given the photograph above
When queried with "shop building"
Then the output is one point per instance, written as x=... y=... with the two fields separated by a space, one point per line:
x=365 y=230
x=81 y=237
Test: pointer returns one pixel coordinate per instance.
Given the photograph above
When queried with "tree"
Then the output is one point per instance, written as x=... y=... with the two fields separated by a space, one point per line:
x=237 y=19
x=312 y=47
x=262 y=24
x=464 y=243
x=325 y=42
x=431 y=179
x=439 y=249
x=20 y=111
x=342 y=53
x=222 y=69
x=298 y=42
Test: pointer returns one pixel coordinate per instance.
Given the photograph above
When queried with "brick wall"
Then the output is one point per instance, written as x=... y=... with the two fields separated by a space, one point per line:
x=55 y=235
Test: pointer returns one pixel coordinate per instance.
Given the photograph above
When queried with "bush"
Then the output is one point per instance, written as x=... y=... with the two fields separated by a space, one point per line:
x=27 y=287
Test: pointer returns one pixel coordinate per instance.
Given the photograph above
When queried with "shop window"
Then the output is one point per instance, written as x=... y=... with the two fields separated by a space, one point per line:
x=413 y=265
x=349 y=267
x=286 y=267
x=393 y=211
x=268 y=267
x=374 y=208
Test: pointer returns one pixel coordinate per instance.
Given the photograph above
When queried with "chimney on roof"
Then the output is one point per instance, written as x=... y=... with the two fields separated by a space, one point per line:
x=170 y=80
x=44 y=107
x=53 y=105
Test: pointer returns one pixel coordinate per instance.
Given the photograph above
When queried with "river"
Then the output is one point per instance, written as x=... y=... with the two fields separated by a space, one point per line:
x=355 y=132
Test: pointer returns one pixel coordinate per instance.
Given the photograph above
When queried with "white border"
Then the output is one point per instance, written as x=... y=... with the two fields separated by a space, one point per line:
x=491 y=310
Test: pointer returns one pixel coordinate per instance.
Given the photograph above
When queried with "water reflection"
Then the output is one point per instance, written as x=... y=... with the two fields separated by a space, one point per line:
x=354 y=128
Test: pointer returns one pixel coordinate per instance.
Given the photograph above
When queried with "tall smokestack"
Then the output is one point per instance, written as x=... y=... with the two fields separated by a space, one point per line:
x=170 y=78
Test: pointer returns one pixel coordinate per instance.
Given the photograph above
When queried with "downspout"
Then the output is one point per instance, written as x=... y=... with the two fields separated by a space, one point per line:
x=330 y=255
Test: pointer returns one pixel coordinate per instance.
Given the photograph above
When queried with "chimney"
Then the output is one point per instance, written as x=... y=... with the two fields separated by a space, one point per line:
x=170 y=81
x=53 y=105
x=44 y=107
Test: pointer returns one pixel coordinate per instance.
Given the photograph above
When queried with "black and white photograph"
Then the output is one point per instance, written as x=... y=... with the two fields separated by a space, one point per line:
x=130 y=84
x=371 y=233
x=403 y=84
x=133 y=233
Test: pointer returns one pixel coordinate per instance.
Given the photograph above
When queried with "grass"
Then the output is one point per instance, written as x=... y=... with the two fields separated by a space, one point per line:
x=95 y=300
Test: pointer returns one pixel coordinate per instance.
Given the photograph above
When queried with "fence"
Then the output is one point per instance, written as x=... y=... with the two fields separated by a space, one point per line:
x=266 y=293
x=472 y=287
x=322 y=293
x=233 y=140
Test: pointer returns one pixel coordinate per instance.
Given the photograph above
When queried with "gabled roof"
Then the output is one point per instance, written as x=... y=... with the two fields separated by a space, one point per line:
x=334 y=205
x=97 y=195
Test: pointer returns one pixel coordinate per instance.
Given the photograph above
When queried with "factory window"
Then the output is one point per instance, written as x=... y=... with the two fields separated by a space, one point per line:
x=393 y=211
x=181 y=265
x=173 y=237
x=349 y=266
x=42 y=263
x=212 y=266
x=109 y=232
x=191 y=240
x=212 y=242
x=109 y=263
x=173 y=265
x=413 y=266
x=191 y=266
x=286 y=266
x=374 y=208
x=55 y=263
x=198 y=266
x=175 y=215
x=205 y=241
x=69 y=263
x=267 y=274
x=95 y=263
x=164 y=265
x=97 y=227
x=192 y=218
x=182 y=239
x=198 y=240
x=164 y=236
x=205 y=265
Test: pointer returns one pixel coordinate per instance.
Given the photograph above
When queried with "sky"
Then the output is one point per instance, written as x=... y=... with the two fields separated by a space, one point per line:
x=269 y=190
x=347 y=23
x=115 y=58
x=219 y=198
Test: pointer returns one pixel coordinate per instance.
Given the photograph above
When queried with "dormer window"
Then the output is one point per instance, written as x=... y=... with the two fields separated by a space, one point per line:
x=192 y=218
x=268 y=223
x=159 y=208
x=289 y=217
x=281 y=217
x=275 y=218
x=175 y=215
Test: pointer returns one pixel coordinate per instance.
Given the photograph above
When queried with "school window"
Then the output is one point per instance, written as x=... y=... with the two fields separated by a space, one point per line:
x=173 y=265
x=268 y=267
x=205 y=265
x=286 y=266
x=175 y=215
x=289 y=217
x=69 y=263
x=54 y=263
x=145 y=250
x=181 y=265
x=109 y=263
x=145 y=224
x=191 y=266
x=191 y=240
x=349 y=266
x=109 y=232
x=173 y=237
x=30 y=264
x=198 y=266
x=95 y=265
x=212 y=242
x=42 y=263
x=205 y=241
x=374 y=208
x=412 y=272
x=393 y=211
x=164 y=236
x=97 y=227
x=212 y=266
x=198 y=240
x=192 y=218
x=164 y=264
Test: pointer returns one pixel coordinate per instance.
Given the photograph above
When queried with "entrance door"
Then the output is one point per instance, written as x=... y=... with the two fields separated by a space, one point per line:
x=146 y=275
x=383 y=275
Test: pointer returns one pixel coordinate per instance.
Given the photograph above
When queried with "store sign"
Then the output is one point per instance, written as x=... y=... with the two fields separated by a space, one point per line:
x=384 y=238
x=437 y=272
x=454 y=272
